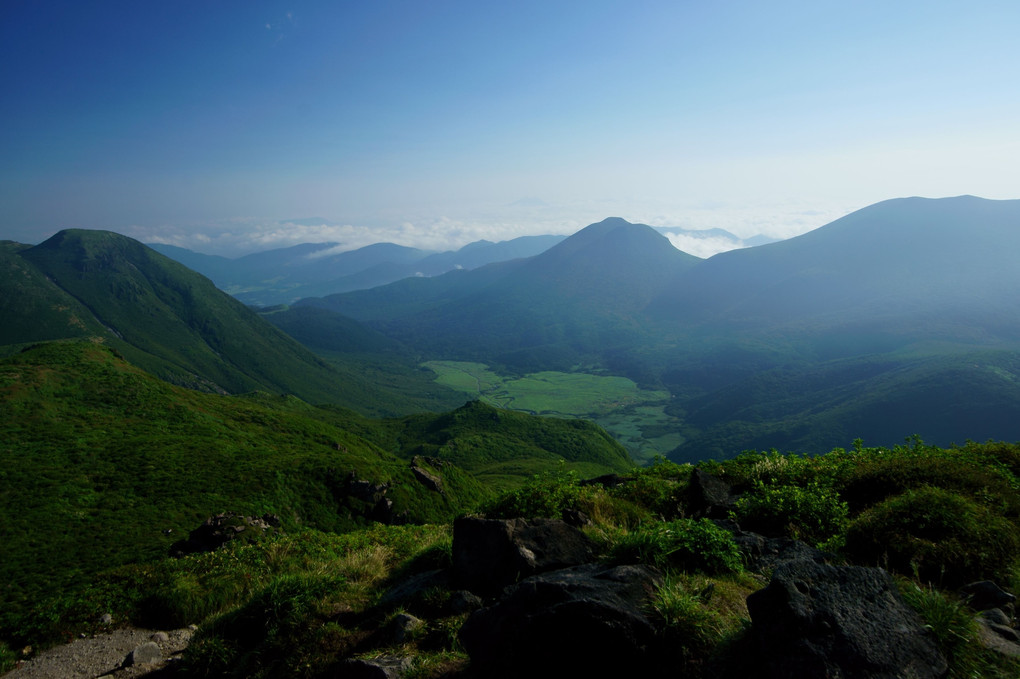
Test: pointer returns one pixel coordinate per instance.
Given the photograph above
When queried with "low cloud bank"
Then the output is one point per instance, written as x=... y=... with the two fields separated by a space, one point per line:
x=236 y=237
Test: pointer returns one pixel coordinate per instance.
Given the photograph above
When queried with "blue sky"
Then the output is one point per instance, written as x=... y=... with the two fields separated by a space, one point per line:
x=216 y=125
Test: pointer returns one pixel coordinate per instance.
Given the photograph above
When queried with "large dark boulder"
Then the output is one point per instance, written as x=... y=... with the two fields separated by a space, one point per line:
x=588 y=621
x=764 y=555
x=816 y=620
x=489 y=554
x=708 y=496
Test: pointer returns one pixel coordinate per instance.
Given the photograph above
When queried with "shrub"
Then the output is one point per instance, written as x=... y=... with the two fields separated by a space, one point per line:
x=658 y=494
x=940 y=535
x=545 y=496
x=878 y=477
x=812 y=512
x=684 y=544
x=7 y=658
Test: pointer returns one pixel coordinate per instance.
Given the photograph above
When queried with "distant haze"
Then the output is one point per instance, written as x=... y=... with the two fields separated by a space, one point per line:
x=224 y=127
x=243 y=236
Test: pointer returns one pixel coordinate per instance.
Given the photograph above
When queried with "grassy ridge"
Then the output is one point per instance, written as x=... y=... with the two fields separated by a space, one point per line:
x=98 y=459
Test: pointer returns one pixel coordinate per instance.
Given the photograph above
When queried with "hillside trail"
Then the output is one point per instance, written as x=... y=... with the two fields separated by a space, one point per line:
x=103 y=655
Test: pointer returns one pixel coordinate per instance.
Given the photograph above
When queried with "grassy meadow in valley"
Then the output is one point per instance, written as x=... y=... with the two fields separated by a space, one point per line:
x=634 y=416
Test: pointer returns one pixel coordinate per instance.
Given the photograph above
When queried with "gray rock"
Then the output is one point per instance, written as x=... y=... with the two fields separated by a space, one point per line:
x=708 y=496
x=106 y=619
x=404 y=627
x=995 y=615
x=426 y=478
x=986 y=594
x=383 y=667
x=144 y=654
x=489 y=554
x=816 y=620
x=1004 y=631
x=218 y=530
x=160 y=637
x=414 y=587
x=588 y=621
x=463 y=601
x=763 y=554
x=990 y=635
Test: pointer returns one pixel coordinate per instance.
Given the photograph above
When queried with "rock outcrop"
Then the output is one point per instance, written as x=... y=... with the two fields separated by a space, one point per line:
x=815 y=620
x=708 y=496
x=220 y=529
x=588 y=621
x=489 y=554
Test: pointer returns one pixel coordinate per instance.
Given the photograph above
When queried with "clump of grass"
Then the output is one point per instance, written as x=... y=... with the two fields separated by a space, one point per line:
x=701 y=616
x=952 y=625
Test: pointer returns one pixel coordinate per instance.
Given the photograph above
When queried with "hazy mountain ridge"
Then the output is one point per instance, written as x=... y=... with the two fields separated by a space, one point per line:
x=900 y=280
x=908 y=258
x=284 y=275
x=577 y=298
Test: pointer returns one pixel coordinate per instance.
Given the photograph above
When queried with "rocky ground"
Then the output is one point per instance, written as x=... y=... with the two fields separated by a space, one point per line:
x=120 y=654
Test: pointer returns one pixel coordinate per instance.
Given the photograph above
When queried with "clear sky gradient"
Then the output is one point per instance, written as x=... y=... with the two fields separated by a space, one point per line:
x=219 y=125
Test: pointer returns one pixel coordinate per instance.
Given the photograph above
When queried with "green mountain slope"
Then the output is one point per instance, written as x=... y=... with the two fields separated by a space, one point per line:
x=99 y=459
x=168 y=320
x=948 y=398
x=33 y=309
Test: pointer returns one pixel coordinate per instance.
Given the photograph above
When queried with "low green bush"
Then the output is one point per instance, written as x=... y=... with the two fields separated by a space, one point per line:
x=938 y=535
x=660 y=495
x=683 y=545
x=544 y=496
x=813 y=513
x=8 y=658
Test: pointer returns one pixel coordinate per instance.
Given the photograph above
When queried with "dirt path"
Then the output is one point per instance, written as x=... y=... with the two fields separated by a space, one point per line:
x=102 y=655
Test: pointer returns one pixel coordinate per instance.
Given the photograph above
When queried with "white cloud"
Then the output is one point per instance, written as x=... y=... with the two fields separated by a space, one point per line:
x=702 y=247
x=242 y=235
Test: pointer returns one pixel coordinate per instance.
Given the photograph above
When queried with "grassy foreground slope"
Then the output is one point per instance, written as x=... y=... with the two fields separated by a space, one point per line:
x=298 y=604
x=102 y=464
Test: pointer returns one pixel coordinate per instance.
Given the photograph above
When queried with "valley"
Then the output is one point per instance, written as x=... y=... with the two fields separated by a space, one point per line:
x=634 y=416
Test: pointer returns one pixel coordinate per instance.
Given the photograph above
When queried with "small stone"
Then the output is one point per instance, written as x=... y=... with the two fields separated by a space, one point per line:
x=106 y=619
x=160 y=637
x=383 y=667
x=145 y=654
x=463 y=601
x=404 y=626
